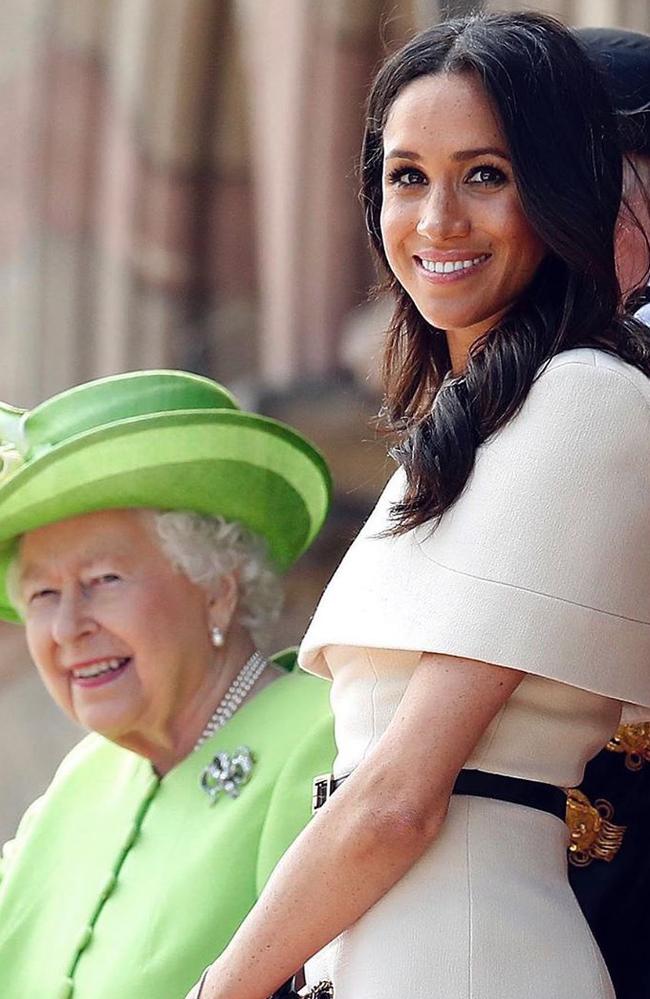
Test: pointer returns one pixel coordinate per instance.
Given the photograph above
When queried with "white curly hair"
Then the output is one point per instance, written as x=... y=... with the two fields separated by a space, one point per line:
x=206 y=548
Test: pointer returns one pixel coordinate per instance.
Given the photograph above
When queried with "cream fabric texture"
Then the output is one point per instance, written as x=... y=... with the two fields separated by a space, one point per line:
x=541 y=565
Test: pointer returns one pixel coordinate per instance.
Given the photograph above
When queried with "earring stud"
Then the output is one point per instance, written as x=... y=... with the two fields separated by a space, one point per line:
x=217 y=637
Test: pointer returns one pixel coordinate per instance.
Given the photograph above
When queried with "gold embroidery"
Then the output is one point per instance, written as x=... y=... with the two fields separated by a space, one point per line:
x=591 y=833
x=634 y=741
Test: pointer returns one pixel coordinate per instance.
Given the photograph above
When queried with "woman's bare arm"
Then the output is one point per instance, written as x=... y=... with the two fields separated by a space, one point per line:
x=371 y=832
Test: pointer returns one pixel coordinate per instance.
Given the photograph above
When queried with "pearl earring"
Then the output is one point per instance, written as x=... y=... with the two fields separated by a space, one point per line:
x=217 y=637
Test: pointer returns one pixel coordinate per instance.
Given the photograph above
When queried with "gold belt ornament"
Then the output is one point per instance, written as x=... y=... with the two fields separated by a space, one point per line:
x=592 y=836
x=634 y=741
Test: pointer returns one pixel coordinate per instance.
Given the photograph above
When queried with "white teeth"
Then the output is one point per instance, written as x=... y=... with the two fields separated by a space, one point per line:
x=106 y=666
x=449 y=266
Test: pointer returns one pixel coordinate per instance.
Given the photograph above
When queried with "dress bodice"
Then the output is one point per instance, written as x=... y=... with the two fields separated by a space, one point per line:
x=547 y=730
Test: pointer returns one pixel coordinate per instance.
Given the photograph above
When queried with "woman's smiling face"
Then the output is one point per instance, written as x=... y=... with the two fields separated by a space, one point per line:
x=453 y=227
x=120 y=638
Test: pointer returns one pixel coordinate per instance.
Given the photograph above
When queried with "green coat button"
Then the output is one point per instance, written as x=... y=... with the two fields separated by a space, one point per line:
x=109 y=887
x=85 y=939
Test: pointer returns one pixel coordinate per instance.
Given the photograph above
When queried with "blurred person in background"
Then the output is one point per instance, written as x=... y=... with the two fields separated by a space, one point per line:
x=610 y=816
x=487 y=627
x=143 y=522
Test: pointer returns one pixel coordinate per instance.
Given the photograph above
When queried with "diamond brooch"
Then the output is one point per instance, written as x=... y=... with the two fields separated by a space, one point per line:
x=227 y=774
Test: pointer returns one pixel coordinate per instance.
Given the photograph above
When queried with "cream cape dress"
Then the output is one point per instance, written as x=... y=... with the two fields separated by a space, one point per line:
x=543 y=565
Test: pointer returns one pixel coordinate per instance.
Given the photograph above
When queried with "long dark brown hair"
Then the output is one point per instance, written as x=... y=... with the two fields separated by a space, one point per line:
x=562 y=135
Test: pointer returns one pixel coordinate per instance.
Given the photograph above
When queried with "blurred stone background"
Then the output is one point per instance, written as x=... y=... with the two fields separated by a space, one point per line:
x=177 y=184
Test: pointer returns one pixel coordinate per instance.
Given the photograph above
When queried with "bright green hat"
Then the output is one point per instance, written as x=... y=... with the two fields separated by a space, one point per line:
x=163 y=439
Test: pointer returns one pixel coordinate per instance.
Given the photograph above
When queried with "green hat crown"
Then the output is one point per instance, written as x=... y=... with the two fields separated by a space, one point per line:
x=164 y=439
x=105 y=401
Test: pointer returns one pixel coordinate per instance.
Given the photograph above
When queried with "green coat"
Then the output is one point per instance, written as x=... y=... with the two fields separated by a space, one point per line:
x=120 y=885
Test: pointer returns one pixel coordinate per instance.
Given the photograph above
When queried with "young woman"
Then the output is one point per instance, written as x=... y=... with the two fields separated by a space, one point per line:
x=493 y=616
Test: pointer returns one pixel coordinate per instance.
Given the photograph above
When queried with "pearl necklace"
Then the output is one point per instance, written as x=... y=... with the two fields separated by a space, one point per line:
x=236 y=694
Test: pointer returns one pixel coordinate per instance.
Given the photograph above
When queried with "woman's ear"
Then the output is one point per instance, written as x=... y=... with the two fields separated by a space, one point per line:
x=222 y=602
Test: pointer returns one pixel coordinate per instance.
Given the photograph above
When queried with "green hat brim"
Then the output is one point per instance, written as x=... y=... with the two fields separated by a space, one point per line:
x=227 y=463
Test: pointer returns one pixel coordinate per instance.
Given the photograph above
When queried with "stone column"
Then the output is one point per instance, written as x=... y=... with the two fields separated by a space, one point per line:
x=309 y=65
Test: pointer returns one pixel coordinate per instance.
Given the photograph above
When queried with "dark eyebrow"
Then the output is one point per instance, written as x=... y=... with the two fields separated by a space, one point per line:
x=402 y=154
x=460 y=156
x=470 y=154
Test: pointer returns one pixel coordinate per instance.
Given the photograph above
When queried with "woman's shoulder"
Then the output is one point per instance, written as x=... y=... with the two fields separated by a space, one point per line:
x=582 y=398
x=593 y=373
x=89 y=766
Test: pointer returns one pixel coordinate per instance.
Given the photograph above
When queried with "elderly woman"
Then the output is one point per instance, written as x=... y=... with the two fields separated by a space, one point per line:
x=143 y=520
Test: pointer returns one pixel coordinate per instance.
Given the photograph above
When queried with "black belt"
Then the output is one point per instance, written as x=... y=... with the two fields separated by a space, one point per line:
x=480 y=784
